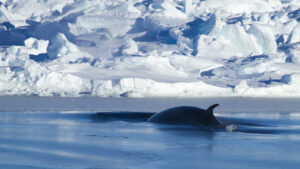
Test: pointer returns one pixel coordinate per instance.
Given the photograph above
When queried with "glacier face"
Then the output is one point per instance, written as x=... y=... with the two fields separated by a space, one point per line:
x=150 y=48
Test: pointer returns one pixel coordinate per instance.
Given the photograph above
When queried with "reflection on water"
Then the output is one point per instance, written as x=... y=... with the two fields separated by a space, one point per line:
x=125 y=140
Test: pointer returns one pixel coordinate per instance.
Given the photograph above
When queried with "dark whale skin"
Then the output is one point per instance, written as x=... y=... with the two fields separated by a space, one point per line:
x=186 y=115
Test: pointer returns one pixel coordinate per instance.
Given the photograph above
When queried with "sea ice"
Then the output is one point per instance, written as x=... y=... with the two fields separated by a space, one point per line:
x=178 y=48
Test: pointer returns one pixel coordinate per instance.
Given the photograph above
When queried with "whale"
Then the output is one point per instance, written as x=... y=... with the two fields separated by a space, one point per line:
x=186 y=115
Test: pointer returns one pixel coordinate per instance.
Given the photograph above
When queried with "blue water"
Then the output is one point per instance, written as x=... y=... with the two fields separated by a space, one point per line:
x=121 y=140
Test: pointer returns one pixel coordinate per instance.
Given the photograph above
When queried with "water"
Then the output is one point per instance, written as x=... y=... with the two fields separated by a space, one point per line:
x=87 y=140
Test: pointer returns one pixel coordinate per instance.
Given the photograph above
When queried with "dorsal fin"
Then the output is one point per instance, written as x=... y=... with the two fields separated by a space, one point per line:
x=211 y=108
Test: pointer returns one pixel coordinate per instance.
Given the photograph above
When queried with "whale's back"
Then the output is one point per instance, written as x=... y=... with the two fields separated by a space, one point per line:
x=184 y=115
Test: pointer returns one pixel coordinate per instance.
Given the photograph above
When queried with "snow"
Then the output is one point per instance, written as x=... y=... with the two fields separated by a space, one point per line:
x=160 y=48
x=35 y=46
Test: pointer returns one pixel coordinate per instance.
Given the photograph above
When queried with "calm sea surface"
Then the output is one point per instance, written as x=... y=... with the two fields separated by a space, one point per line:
x=118 y=140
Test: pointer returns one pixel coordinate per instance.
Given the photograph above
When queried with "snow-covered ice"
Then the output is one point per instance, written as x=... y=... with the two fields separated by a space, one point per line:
x=150 y=48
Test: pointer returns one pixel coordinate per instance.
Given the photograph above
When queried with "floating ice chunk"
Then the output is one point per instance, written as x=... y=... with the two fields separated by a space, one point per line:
x=61 y=48
x=130 y=48
x=158 y=22
x=35 y=46
x=170 y=10
x=232 y=40
x=165 y=16
x=231 y=128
